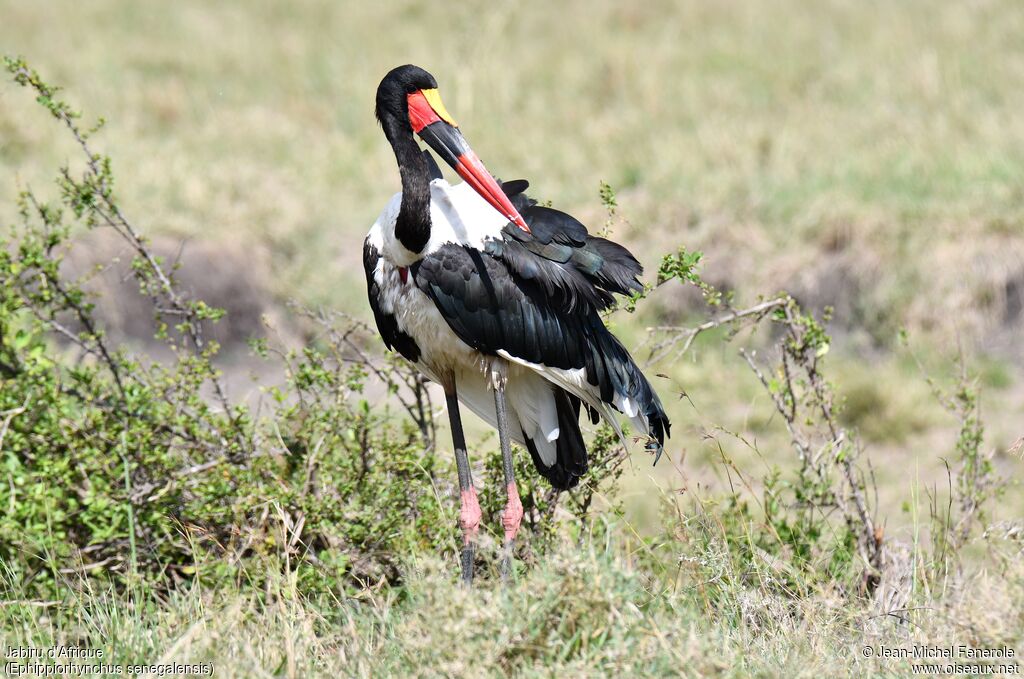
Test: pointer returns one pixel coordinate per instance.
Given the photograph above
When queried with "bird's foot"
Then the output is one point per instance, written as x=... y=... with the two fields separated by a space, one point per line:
x=469 y=521
x=469 y=515
x=511 y=519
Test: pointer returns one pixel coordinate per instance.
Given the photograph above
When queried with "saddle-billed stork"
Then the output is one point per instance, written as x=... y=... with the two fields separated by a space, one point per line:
x=486 y=291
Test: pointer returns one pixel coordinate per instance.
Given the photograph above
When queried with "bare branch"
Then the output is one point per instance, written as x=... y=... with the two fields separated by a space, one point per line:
x=686 y=336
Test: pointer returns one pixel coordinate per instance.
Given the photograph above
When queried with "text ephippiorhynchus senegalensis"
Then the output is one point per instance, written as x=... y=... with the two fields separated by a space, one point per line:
x=486 y=291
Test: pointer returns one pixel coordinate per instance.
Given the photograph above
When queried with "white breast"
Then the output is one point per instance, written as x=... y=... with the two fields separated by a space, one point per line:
x=457 y=215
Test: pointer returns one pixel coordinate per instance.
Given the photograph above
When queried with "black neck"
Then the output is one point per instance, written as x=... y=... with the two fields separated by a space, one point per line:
x=412 y=228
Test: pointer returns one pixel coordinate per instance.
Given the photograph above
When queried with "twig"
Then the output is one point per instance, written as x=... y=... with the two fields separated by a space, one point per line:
x=665 y=347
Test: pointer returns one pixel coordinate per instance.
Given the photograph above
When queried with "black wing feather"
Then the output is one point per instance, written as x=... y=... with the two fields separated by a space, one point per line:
x=570 y=450
x=575 y=268
x=492 y=308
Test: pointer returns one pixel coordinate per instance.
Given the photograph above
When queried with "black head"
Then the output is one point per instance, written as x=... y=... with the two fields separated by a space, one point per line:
x=408 y=103
x=393 y=91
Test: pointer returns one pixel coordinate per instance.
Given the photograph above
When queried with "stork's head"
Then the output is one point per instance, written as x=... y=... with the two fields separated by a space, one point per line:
x=408 y=102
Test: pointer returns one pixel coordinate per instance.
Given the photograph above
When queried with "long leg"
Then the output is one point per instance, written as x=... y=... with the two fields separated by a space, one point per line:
x=513 y=514
x=469 y=512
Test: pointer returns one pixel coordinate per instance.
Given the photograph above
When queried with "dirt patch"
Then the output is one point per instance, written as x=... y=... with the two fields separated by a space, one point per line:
x=851 y=283
x=943 y=288
x=226 y=276
x=975 y=289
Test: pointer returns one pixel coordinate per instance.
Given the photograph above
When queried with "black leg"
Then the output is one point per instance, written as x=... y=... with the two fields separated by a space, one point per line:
x=469 y=508
x=513 y=514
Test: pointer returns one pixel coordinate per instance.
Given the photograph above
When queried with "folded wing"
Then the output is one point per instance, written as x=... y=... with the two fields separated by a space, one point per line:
x=535 y=298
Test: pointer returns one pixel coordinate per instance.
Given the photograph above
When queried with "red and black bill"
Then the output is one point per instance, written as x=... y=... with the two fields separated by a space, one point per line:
x=435 y=126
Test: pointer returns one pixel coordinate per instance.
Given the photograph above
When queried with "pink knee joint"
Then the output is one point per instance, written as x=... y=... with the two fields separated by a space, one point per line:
x=469 y=515
x=513 y=514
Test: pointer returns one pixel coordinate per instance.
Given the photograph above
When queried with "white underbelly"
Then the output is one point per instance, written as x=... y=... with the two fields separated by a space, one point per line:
x=442 y=352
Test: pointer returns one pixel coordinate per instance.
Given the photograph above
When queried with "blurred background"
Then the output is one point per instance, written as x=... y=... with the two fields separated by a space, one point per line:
x=867 y=156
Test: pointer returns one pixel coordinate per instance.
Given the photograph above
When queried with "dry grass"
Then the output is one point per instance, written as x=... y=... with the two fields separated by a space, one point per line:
x=588 y=611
